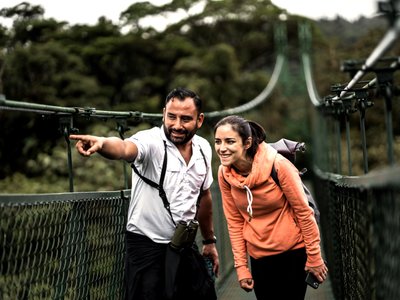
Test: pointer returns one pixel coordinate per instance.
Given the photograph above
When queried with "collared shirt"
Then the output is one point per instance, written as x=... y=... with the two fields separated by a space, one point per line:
x=147 y=214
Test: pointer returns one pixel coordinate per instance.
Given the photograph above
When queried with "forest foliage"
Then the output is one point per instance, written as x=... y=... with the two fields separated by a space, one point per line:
x=226 y=53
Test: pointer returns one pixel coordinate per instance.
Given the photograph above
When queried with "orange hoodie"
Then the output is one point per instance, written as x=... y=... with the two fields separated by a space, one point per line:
x=281 y=219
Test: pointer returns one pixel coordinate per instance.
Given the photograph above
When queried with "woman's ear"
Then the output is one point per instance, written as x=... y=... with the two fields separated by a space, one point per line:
x=248 y=143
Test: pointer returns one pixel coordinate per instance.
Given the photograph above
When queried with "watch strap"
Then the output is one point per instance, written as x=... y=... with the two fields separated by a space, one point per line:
x=210 y=241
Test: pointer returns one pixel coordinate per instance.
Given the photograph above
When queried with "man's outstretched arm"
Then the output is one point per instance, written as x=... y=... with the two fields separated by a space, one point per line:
x=109 y=147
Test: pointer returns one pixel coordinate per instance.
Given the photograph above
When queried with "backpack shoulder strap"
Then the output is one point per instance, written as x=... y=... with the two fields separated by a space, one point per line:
x=274 y=175
x=311 y=201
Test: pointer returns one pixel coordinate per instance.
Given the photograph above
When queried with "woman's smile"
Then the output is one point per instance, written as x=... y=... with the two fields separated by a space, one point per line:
x=229 y=146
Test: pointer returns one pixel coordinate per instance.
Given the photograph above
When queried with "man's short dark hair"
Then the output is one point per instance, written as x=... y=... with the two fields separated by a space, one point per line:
x=183 y=93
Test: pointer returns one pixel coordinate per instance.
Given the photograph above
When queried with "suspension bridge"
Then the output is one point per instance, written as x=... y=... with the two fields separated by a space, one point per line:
x=71 y=245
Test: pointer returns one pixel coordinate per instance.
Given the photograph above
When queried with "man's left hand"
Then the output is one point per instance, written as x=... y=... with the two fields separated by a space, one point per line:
x=210 y=250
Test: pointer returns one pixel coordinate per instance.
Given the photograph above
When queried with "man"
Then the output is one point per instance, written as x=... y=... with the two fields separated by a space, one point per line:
x=151 y=224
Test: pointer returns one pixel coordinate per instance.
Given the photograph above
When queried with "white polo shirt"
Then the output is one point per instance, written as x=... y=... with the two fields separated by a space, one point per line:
x=147 y=214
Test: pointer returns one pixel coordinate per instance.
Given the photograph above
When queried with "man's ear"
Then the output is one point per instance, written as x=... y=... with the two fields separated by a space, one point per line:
x=200 y=120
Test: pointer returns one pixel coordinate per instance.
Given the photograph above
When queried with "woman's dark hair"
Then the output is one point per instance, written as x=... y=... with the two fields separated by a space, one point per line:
x=245 y=129
x=182 y=93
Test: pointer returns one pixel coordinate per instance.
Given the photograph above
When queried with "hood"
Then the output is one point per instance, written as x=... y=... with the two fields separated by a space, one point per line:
x=260 y=171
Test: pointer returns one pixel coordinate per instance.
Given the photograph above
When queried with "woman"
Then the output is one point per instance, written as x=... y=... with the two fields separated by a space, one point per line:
x=273 y=225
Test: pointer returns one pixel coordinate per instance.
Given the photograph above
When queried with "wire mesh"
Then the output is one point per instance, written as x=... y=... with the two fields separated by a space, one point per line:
x=55 y=247
x=359 y=224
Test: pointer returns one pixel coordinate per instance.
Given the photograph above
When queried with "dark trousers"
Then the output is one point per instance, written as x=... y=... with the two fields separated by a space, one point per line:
x=144 y=268
x=147 y=272
x=281 y=276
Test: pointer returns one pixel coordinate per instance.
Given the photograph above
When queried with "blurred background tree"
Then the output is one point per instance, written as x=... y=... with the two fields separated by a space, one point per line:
x=226 y=53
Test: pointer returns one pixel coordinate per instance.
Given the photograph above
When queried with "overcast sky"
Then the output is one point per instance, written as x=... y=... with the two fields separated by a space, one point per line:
x=316 y=9
x=88 y=12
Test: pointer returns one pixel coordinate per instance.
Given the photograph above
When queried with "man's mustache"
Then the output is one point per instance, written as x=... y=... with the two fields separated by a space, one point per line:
x=178 y=131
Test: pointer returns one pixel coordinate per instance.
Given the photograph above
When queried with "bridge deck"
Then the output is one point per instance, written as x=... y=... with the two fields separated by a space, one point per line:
x=230 y=290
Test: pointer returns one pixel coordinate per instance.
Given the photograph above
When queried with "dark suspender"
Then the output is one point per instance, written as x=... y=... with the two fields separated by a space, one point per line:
x=160 y=187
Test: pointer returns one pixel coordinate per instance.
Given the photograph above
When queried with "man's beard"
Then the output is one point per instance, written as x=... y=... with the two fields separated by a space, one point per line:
x=186 y=137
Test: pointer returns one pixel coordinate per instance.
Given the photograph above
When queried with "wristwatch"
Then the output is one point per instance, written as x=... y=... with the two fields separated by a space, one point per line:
x=213 y=240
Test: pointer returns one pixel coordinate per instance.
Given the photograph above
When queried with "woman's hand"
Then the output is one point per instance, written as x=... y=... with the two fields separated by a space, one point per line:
x=247 y=284
x=320 y=272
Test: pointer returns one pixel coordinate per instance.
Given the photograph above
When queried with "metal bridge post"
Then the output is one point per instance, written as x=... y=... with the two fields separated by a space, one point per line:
x=66 y=129
x=385 y=81
x=338 y=145
x=346 y=109
x=349 y=162
x=363 y=104
x=122 y=128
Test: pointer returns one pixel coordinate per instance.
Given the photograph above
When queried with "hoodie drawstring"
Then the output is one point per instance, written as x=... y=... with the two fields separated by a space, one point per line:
x=250 y=201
